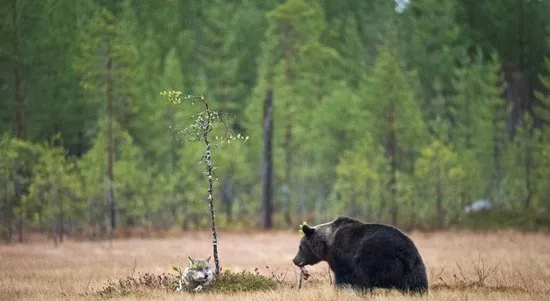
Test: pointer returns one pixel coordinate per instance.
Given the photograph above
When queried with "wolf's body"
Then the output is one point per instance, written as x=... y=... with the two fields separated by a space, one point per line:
x=196 y=276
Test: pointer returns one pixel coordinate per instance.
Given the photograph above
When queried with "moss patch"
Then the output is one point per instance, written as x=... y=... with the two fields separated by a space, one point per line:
x=242 y=282
x=227 y=282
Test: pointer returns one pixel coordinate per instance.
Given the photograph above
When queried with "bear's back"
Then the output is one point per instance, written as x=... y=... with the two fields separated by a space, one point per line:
x=372 y=238
x=356 y=230
x=371 y=255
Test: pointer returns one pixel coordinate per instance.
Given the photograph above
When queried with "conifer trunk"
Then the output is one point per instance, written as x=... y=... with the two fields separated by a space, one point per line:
x=18 y=121
x=391 y=153
x=110 y=146
x=267 y=177
x=439 y=202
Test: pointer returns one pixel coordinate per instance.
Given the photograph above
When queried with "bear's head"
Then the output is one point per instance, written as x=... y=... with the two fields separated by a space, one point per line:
x=313 y=245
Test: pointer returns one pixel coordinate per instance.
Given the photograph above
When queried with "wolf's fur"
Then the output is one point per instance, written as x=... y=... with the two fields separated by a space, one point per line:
x=197 y=275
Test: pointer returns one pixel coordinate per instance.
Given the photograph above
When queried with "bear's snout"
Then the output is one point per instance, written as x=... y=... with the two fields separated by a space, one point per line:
x=297 y=261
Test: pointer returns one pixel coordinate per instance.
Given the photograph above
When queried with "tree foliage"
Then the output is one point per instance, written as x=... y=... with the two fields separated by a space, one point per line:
x=403 y=112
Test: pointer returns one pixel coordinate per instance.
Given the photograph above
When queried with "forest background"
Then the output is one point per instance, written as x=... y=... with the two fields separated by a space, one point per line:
x=402 y=112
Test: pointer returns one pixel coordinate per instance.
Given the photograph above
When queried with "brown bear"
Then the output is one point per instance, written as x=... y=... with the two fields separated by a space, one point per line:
x=364 y=256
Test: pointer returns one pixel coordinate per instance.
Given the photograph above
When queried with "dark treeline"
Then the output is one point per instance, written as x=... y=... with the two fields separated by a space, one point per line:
x=403 y=112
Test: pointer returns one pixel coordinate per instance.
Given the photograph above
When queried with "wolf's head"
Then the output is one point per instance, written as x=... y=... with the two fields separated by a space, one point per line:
x=199 y=269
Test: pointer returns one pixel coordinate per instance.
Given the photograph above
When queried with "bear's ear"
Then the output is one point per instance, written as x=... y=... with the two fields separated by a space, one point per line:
x=307 y=230
x=300 y=231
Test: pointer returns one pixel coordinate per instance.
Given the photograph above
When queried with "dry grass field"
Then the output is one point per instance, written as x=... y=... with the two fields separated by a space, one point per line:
x=462 y=266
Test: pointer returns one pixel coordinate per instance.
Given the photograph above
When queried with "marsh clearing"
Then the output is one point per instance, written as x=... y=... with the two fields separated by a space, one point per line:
x=461 y=266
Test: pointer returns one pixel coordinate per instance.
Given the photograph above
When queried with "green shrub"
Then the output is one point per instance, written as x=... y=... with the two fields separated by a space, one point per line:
x=130 y=284
x=243 y=281
x=227 y=282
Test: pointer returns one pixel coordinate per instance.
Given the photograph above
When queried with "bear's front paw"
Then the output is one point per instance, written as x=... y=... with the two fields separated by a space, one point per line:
x=198 y=289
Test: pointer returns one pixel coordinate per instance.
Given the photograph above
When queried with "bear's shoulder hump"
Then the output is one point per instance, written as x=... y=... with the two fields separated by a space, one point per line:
x=345 y=220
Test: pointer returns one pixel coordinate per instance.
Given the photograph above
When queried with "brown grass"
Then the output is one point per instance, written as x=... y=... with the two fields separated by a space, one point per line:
x=462 y=266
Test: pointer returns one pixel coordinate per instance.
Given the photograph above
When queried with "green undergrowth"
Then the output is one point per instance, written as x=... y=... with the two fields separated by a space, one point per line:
x=130 y=284
x=227 y=282
x=243 y=281
x=246 y=281
x=520 y=219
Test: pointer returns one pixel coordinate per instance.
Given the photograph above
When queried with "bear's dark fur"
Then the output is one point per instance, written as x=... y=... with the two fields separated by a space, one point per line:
x=364 y=256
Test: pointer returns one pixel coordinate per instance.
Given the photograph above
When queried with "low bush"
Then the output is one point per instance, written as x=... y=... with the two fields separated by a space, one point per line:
x=130 y=284
x=243 y=281
x=227 y=282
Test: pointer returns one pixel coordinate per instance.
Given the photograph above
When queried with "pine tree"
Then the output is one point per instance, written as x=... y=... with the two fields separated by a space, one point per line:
x=52 y=196
x=542 y=150
x=517 y=30
x=542 y=106
x=438 y=169
x=397 y=120
x=133 y=176
x=105 y=62
x=16 y=163
x=297 y=68
x=479 y=117
x=432 y=44
x=360 y=176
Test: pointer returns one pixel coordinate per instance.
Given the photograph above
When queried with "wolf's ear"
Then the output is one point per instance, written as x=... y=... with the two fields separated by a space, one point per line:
x=208 y=259
x=191 y=260
x=307 y=230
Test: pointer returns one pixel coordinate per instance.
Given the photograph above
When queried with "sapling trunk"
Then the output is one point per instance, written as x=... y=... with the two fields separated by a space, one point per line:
x=200 y=129
x=206 y=130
